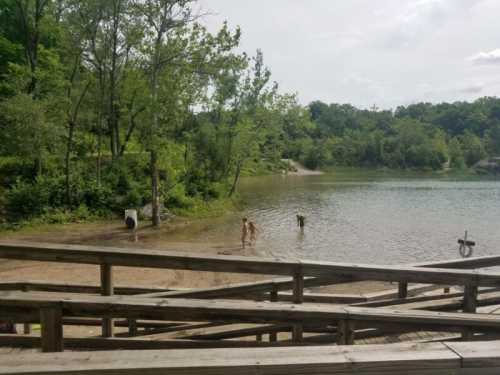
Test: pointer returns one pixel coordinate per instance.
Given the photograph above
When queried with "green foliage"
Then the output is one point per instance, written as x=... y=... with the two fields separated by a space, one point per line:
x=25 y=129
x=420 y=136
x=107 y=105
x=25 y=200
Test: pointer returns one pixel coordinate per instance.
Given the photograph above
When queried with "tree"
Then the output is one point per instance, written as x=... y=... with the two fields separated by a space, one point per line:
x=166 y=22
x=493 y=139
x=26 y=129
x=456 y=154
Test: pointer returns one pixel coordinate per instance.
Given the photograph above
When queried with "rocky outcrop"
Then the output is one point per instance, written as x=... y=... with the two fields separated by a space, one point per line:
x=491 y=165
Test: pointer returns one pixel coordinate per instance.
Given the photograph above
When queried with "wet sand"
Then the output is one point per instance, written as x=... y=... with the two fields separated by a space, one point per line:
x=114 y=234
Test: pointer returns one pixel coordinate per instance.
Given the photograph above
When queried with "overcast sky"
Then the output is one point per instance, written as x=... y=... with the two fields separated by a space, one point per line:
x=372 y=52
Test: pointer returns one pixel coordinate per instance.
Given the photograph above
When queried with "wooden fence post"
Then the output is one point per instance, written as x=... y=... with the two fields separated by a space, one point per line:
x=341 y=332
x=402 y=289
x=52 y=329
x=273 y=336
x=469 y=306
x=297 y=332
x=132 y=327
x=298 y=287
x=350 y=333
x=298 y=297
x=345 y=332
x=107 y=289
x=470 y=299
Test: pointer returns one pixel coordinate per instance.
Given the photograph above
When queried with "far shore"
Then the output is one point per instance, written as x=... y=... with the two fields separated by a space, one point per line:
x=297 y=169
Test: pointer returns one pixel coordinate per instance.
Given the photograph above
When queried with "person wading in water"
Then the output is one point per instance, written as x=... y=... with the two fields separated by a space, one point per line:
x=301 y=221
x=244 y=231
x=253 y=232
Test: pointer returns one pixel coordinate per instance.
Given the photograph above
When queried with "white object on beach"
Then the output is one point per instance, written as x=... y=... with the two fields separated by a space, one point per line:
x=131 y=219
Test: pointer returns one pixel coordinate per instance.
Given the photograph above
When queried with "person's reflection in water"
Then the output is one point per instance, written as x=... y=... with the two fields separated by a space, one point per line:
x=301 y=236
x=134 y=236
x=300 y=242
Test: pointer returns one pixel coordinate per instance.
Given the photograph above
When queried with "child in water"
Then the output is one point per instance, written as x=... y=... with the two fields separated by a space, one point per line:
x=253 y=232
x=244 y=231
x=301 y=221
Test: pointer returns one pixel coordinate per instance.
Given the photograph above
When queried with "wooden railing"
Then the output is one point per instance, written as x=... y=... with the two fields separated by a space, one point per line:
x=51 y=308
x=478 y=358
x=303 y=274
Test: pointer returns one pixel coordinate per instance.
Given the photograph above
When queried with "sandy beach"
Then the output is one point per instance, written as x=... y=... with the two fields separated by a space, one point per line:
x=115 y=234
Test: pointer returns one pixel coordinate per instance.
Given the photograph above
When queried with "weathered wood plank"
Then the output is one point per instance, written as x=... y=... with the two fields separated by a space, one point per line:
x=477 y=354
x=144 y=258
x=52 y=329
x=115 y=343
x=402 y=289
x=370 y=359
x=239 y=311
x=239 y=333
x=181 y=327
x=107 y=290
x=461 y=263
x=252 y=290
x=161 y=259
x=45 y=286
x=413 y=290
x=454 y=301
x=470 y=299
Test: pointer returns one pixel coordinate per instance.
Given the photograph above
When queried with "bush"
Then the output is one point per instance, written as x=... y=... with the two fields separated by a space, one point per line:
x=98 y=197
x=177 y=198
x=27 y=200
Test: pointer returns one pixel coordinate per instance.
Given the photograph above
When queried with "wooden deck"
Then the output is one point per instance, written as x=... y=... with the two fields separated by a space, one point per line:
x=276 y=329
x=430 y=359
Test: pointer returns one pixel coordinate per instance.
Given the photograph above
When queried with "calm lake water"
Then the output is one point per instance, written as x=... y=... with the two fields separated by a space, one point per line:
x=369 y=218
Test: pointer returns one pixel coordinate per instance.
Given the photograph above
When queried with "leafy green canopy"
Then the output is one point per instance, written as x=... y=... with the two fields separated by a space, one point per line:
x=112 y=104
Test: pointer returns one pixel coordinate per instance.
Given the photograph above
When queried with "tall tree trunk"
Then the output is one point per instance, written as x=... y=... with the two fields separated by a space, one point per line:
x=100 y=115
x=155 y=182
x=69 y=147
x=236 y=178
x=155 y=186
x=113 y=105
x=99 y=152
x=38 y=166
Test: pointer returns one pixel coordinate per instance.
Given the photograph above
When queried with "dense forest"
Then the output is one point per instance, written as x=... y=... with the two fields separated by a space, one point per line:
x=113 y=104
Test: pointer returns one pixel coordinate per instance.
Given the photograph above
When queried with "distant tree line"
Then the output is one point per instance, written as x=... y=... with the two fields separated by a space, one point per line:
x=418 y=136
x=112 y=104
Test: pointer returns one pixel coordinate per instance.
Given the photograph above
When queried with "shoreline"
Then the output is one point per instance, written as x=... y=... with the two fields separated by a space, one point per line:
x=114 y=234
x=297 y=169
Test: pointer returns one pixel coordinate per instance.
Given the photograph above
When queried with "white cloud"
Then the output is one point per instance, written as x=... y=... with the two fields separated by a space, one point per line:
x=472 y=89
x=388 y=52
x=486 y=58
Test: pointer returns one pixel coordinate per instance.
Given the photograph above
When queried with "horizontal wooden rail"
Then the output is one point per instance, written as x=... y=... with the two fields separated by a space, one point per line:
x=464 y=263
x=479 y=358
x=14 y=303
x=233 y=264
x=145 y=258
x=113 y=343
x=45 y=286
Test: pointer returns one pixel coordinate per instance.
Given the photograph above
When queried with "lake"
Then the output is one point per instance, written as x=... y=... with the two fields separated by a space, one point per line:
x=365 y=217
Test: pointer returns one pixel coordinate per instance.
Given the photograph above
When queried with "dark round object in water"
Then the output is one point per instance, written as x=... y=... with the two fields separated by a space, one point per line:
x=131 y=224
x=465 y=251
